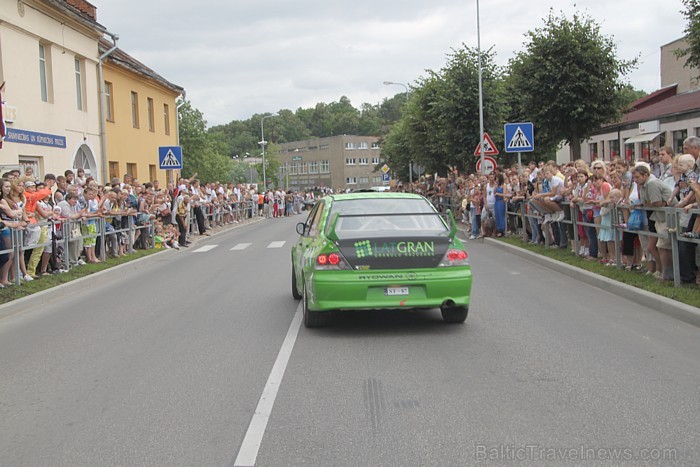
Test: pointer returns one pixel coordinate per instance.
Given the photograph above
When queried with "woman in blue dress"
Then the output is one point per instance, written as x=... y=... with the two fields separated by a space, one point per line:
x=499 y=207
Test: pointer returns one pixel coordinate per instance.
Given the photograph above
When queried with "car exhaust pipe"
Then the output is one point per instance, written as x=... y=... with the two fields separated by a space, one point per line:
x=446 y=305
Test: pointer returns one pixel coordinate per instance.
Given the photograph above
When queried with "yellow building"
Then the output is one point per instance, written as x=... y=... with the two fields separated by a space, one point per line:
x=140 y=116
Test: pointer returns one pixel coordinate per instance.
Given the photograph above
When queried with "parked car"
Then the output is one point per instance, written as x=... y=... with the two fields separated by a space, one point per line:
x=379 y=251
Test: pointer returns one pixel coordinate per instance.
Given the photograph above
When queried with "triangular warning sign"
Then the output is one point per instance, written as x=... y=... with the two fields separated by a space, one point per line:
x=489 y=147
x=519 y=140
x=170 y=160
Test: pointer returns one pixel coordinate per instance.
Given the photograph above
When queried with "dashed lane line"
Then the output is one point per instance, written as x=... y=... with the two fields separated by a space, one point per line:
x=276 y=244
x=240 y=246
x=205 y=248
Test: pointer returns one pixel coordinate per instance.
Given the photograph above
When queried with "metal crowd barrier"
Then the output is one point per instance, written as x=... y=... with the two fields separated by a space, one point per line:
x=672 y=221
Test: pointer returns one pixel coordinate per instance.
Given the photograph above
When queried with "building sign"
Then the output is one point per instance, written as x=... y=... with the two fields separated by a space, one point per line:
x=297 y=158
x=30 y=137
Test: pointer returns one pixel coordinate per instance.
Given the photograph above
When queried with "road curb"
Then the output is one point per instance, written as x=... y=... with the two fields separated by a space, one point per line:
x=45 y=297
x=675 y=309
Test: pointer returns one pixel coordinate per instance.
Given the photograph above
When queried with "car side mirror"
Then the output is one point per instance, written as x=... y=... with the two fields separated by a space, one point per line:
x=301 y=228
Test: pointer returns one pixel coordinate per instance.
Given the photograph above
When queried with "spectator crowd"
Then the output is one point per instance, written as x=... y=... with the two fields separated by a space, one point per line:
x=114 y=219
x=613 y=197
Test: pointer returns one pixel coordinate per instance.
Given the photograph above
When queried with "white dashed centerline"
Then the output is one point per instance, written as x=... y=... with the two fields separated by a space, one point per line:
x=240 y=246
x=276 y=244
x=256 y=430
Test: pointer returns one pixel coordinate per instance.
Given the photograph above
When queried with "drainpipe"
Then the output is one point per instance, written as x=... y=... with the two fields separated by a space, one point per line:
x=103 y=122
x=177 y=128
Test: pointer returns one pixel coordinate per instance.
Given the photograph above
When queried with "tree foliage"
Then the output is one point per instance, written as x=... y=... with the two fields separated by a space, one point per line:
x=440 y=124
x=200 y=153
x=692 y=34
x=567 y=81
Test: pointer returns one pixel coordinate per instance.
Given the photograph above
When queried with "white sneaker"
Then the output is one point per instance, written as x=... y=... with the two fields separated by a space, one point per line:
x=81 y=262
x=472 y=237
x=28 y=278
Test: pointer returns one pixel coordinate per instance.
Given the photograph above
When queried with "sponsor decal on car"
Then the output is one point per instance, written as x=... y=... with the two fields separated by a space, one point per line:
x=366 y=248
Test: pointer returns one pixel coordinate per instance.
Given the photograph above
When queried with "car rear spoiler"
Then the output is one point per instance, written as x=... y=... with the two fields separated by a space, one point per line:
x=447 y=218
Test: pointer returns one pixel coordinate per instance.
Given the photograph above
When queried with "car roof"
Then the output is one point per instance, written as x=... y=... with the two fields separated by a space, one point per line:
x=375 y=195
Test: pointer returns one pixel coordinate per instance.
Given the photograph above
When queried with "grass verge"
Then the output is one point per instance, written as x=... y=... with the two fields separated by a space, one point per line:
x=14 y=292
x=688 y=293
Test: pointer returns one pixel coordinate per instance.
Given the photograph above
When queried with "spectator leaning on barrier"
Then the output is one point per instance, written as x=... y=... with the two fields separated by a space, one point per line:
x=655 y=194
x=11 y=216
x=70 y=210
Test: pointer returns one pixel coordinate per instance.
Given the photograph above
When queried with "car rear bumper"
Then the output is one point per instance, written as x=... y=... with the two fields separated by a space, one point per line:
x=353 y=290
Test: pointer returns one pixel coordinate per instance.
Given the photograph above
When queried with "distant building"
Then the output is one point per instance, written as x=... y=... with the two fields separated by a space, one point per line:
x=663 y=118
x=338 y=162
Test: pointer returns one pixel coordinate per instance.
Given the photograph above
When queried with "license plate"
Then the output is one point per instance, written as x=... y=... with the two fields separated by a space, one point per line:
x=396 y=291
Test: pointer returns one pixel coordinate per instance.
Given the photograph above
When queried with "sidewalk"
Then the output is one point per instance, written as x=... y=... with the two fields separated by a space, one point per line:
x=673 y=308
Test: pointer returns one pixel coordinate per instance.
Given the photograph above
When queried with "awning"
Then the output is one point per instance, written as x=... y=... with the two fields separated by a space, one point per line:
x=642 y=138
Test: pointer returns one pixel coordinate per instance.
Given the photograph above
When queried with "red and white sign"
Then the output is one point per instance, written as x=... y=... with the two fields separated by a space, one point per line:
x=489 y=165
x=489 y=147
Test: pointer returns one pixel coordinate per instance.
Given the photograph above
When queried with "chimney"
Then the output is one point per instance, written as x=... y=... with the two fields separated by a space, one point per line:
x=84 y=7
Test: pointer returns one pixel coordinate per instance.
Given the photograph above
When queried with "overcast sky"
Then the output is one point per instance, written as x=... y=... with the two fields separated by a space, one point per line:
x=241 y=57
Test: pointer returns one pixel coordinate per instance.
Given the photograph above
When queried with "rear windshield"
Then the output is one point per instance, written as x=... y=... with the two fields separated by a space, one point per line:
x=386 y=217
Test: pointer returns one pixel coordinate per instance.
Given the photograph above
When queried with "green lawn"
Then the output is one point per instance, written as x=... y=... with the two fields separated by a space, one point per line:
x=688 y=294
x=46 y=282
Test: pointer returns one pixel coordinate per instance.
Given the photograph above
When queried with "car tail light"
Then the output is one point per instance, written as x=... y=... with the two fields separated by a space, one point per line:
x=455 y=257
x=331 y=261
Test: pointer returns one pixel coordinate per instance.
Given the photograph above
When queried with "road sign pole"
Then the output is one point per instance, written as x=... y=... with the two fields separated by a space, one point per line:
x=520 y=164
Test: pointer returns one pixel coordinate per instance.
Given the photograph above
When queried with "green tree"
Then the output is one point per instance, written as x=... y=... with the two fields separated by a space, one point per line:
x=199 y=149
x=692 y=34
x=567 y=81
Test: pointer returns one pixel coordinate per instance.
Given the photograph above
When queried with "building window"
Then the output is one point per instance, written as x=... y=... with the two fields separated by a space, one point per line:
x=602 y=149
x=375 y=145
x=135 y=109
x=166 y=118
x=350 y=161
x=363 y=161
x=113 y=170
x=350 y=145
x=151 y=115
x=313 y=167
x=364 y=180
x=697 y=131
x=293 y=168
x=325 y=167
x=351 y=180
x=302 y=168
x=109 y=102
x=614 y=148
x=323 y=147
x=131 y=170
x=152 y=172
x=678 y=138
x=375 y=160
x=78 y=84
x=362 y=145
x=313 y=148
x=43 y=73
x=592 y=148
x=376 y=179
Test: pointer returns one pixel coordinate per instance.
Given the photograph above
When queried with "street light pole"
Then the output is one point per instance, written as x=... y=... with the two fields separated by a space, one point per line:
x=481 y=92
x=410 y=164
x=262 y=143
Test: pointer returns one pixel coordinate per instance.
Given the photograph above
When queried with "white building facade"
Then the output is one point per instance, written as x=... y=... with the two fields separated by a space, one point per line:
x=48 y=62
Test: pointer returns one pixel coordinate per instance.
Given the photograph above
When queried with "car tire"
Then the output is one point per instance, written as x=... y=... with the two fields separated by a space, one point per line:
x=312 y=319
x=295 y=290
x=455 y=314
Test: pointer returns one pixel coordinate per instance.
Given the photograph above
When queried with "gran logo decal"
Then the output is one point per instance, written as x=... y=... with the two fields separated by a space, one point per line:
x=366 y=248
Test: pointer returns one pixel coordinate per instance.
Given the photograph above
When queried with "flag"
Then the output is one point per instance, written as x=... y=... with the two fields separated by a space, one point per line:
x=3 y=129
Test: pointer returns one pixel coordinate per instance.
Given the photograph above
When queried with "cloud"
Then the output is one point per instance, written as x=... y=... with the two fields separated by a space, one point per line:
x=239 y=58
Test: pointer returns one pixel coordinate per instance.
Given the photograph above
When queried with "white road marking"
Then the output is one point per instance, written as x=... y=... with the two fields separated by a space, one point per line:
x=256 y=430
x=241 y=246
x=276 y=244
x=205 y=248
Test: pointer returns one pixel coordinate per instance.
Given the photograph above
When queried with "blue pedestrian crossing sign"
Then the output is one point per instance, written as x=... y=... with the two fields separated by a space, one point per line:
x=170 y=157
x=519 y=137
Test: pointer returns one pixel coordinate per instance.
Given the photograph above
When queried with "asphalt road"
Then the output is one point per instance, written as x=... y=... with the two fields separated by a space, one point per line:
x=166 y=365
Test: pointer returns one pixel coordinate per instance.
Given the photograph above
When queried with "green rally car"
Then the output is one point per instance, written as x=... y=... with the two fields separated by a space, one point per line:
x=379 y=251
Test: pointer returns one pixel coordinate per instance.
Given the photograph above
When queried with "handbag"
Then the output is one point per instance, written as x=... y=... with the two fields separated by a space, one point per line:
x=636 y=220
x=75 y=232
